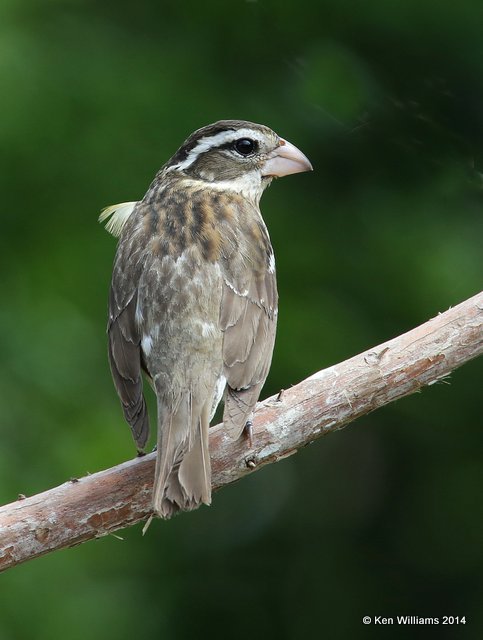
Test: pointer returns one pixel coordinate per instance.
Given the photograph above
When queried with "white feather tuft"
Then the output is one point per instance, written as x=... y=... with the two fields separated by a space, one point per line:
x=118 y=214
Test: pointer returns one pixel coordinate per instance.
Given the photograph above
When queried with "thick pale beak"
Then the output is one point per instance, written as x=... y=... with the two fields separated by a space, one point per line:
x=285 y=160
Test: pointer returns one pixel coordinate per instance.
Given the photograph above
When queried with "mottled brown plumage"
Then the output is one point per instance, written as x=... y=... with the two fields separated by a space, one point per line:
x=193 y=299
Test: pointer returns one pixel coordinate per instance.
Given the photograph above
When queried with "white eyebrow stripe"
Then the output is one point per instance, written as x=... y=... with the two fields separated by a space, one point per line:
x=218 y=139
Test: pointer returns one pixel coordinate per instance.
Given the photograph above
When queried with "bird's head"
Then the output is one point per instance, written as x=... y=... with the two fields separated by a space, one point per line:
x=229 y=155
x=236 y=155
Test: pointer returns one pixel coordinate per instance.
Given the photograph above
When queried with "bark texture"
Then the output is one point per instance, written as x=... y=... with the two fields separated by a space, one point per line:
x=101 y=503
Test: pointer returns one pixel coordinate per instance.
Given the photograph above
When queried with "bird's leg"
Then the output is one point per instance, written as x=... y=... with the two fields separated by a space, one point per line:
x=249 y=430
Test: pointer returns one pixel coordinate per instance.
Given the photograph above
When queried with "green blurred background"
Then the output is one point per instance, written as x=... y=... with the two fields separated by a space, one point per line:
x=386 y=99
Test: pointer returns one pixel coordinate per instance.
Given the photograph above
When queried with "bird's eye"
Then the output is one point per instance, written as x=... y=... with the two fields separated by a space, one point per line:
x=245 y=146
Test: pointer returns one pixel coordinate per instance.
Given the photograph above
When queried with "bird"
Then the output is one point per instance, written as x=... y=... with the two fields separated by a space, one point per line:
x=193 y=300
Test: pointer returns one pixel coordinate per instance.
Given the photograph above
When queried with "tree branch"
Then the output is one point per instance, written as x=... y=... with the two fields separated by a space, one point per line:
x=98 y=504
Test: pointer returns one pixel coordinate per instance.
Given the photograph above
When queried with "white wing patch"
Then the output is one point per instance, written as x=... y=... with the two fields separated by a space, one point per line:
x=147 y=344
x=119 y=215
x=271 y=263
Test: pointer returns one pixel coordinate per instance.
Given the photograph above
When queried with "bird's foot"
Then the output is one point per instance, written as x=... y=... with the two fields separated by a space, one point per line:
x=249 y=432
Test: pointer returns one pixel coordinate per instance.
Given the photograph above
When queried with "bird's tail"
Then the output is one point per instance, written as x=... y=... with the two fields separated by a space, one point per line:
x=183 y=471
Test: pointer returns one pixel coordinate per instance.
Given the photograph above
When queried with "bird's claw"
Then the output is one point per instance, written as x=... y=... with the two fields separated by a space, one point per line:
x=249 y=431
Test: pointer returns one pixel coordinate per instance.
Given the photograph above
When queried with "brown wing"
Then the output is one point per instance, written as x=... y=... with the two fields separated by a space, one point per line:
x=248 y=320
x=125 y=339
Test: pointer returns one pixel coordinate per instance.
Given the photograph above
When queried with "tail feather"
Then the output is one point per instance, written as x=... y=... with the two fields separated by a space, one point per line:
x=183 y=471
x=195 y=470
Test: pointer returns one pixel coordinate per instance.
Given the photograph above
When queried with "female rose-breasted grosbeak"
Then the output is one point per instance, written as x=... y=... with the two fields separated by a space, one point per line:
x=193 y=299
